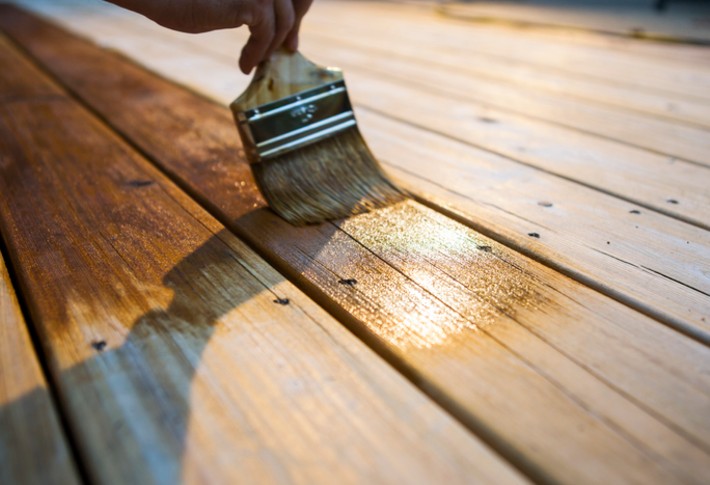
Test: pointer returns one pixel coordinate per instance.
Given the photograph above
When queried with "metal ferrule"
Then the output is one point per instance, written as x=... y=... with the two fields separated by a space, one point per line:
x=278 y=127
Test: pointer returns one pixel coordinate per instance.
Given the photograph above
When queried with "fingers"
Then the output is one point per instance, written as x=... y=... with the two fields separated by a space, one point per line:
x=300 y=8
x=254 y=50
x=269 y=25
x=285 y=17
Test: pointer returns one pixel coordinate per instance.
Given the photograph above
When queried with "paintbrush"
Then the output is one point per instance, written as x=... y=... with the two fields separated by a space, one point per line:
x=300 y=136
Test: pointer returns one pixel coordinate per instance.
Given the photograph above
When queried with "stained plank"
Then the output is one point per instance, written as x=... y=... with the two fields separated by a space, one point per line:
x=33 y=448
x=179 y=354
x=570 y=385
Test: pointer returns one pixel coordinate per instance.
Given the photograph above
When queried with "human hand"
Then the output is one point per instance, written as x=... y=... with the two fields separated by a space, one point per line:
x=272 y=23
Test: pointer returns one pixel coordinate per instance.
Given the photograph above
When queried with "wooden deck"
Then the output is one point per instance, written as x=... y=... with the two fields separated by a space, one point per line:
x=538 y=311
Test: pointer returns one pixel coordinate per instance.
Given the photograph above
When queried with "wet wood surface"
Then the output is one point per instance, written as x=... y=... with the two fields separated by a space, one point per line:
x=179 y=353
x=552 y=365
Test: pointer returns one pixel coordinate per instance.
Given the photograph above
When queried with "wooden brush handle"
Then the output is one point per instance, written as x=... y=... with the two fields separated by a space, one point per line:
x=284 y=74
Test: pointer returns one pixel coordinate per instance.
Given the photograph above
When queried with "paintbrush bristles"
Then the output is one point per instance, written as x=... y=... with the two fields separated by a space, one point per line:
x=333 y=178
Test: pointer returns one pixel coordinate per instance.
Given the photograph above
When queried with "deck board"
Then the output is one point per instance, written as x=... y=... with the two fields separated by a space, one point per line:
x=179 y=354
x=670 y=76
x=592 y=373
x=33 y=447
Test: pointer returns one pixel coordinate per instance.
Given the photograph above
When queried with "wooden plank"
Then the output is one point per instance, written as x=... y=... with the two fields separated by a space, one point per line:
x=33 y=449
x=668 y=185
x=617 y=67
x=647 y=260
x=569 y=384
x=509 y=85
x=463 y=75
x=500 y=197
x=666 y=51
x=179 y=354
x=679 y=23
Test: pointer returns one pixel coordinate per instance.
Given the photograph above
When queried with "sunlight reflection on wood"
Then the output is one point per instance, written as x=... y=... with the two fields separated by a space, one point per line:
x=438 y=262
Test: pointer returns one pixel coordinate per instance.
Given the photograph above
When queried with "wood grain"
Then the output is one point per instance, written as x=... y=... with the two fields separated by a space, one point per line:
x=647 y=260
x=665 y=184
x=178 y=353
x=463 y=76
x=33 y=449
x=500 y=197
x=570 y=385
x=686 y=79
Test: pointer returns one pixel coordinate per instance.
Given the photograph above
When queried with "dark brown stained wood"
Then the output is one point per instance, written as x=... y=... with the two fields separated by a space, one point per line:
x=571 y=385
x=178 y=353
x=33 y=449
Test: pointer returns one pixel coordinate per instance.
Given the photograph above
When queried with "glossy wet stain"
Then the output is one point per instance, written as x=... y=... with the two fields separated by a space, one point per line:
x=430 y=278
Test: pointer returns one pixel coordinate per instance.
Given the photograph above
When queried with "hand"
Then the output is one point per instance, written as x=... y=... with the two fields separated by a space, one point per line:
x=272 y=23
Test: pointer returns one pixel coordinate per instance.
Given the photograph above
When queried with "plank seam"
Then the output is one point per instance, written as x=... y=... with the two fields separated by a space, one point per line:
x=451 y=94
x=601 y=190
x=528 y=86
x=633 y=441
x=661 y=318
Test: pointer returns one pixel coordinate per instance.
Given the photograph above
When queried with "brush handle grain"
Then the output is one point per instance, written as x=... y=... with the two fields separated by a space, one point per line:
x=284 y=74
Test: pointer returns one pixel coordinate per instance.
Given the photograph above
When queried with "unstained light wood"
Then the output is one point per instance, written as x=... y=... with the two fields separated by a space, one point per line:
x=670 y=76
x=569 y=384
x=180 y=355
